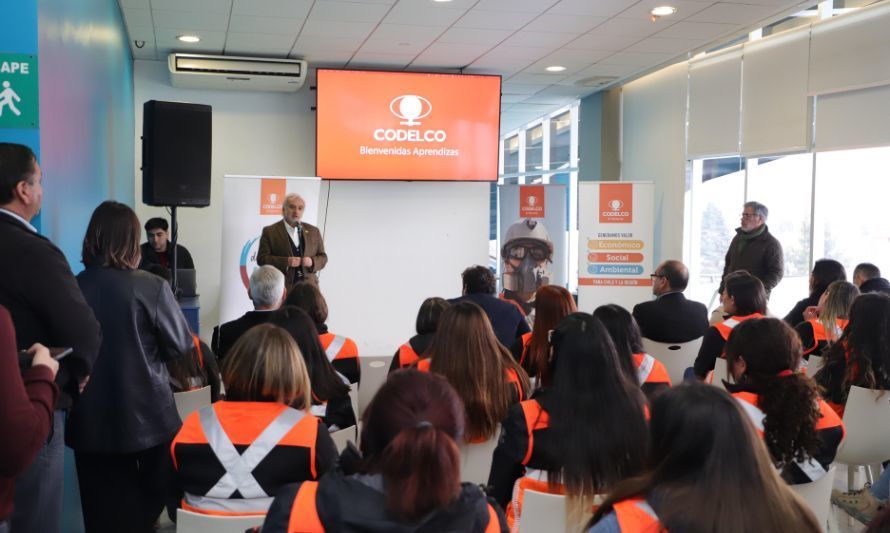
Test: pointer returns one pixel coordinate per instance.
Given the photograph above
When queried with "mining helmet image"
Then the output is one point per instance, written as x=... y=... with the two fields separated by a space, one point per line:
x=526 y=253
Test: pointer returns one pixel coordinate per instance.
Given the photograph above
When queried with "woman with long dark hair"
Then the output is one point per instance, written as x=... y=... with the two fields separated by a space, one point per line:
x=485 y=376
x=831 y=317
x=122 y=425
x=743 y=298
x=825 y=272
x=801 y=431
x=707 y=471
x=408 y=477
x=861 y=356
x=639 y=366
x=532 y=350
x=580 y=436
x=427 y=321
x=330 y=390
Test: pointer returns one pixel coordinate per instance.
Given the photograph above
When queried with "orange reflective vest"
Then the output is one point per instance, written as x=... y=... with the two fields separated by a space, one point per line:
x=726 y=327
x=342 y=352
x=526 y=338
x=407 y=356
x=215 y=433
x=636 y=516
x=423 y=365
x=820 y=336
x=650 y=369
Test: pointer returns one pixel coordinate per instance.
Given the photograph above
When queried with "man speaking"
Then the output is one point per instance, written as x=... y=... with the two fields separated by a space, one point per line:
x=293 y=247
x=755 y=249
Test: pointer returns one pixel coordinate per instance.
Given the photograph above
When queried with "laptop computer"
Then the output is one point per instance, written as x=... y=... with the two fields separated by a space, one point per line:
x=187 y=281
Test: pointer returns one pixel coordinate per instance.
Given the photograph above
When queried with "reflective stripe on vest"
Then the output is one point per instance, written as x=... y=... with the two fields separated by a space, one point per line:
x=726 y=327
x=239 y=467
x=636 y=515
x=647 y=363
x=334 y=347
x=304 y=512
x=407 y=355
x=513 y=379
x=526 y=338
x=535 y=418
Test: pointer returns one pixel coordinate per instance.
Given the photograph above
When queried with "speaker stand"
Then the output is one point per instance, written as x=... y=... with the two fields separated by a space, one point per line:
x=174 y=231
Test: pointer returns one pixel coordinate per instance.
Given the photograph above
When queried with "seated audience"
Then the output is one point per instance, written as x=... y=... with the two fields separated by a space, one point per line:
x=27 y=401
x=801 y=431
x=157 y=250
x=341 y=351
x=506 y=318
x=408 y=478
x=866 y=504
x=532 y=350
x=265 y=411
x=671 y=317
x=122 y=424
x=267 y=294
x=702 y=448
x=427 y=321
x=861 y=356
x=868 y=278
x=330 y=390
x=480 y=369
x=824 y=324
x=743 y=298
x=825 y=272
x=580 y=436
x=640 y=367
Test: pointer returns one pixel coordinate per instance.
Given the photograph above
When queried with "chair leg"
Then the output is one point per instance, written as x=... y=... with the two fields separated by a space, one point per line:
x=868 y=475
x=851 y=476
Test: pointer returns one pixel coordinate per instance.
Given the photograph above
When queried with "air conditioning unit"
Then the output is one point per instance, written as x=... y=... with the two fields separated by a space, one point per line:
x=195 y=71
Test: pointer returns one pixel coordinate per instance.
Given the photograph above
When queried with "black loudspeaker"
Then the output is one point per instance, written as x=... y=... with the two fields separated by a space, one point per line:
x=176 y=141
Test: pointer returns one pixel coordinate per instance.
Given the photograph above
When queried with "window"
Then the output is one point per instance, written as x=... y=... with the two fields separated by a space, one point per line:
x=534 y=149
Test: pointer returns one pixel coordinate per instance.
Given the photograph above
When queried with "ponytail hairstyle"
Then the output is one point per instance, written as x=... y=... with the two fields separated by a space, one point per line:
x=625 y=335
x=409 y=435
x=701 y=444
x=839 y=298
x=771 y=353
x=552 y=304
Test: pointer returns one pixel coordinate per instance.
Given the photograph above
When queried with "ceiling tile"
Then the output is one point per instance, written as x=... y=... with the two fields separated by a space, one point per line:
x=203 y=6
x=685 y=9
x=697 y=30
x=326 y=28
x=600 y=70
x=597 y=8
x=522 y=88
x=495 y=20
x=529 y=6
x=733 y=13
x=265 y=25
x=552 y=99
x=135 y=4
x=539 y=39
x=296 y=9
x=636 y=59
x=373 y=59
x=138 y=18
x=308 y=44
x=253 y=43
x=564 y=23
x=423 y=13
x=536 y=79
x=573 y=60
x=631 y=27
x=596 y=42
x=348 y=11
x=388 y=2
x=665 y=45
x=400 y=39
x=512 y=98
x=190 y=20
x=144 y=36
x=504 y=72
x=449 y=55
x=473 y=36
x=212 y=42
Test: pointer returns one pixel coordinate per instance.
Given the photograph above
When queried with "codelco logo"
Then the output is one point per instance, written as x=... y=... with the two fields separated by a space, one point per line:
x=616 y=202
x=410 y=108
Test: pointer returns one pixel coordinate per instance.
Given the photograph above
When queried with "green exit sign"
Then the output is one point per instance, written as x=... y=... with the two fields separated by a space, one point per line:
x=19 y=91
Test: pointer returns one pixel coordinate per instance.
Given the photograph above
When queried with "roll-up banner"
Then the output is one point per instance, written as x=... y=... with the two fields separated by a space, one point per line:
x=249 y=204
x=533 y=245
x=615 y=226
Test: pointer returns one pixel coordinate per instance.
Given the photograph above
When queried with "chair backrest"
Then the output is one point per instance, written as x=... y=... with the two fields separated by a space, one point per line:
x=475 y=460
x=342 y=436
x=353 y=399
x=817 y=494
x=189 y=522
x=675 y=356
x=721 y=372
x=190 y=401
x=814 y=364
x=867 y=420
x=374 y=371
x=542 y=512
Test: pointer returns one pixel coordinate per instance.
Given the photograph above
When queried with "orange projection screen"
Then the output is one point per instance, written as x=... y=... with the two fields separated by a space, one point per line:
x=407 y=126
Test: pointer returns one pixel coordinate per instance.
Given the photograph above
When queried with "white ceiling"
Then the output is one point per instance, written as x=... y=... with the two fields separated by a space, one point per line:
x=514 y=38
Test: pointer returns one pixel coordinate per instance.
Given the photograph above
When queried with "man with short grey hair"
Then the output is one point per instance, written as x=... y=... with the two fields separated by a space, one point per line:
x=293 y=246
x=267 y=292
x=755 y=249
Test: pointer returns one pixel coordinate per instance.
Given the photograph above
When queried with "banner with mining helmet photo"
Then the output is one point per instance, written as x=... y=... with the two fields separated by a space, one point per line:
x=615 y=232
x=251 y=203
x=533 y=241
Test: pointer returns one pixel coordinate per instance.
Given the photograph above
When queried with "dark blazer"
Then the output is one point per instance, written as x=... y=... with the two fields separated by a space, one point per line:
x=506 y=319
x=41 y=294
x=762 y=256
x=150 y=257
x=225 y=335
x=275 y=249
x=671 y=318
x=795 y=316
x=127 y=406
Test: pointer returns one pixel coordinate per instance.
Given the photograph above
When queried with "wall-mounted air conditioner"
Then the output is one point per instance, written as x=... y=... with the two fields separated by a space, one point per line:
x=194 y=71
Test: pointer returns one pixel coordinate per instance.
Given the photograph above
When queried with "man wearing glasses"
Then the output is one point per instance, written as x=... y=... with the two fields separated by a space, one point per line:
x=755 y=249
x=671 y=317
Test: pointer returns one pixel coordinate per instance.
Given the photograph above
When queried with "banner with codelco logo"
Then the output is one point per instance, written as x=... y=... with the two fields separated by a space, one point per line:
x=615 y=239
x=407 y=126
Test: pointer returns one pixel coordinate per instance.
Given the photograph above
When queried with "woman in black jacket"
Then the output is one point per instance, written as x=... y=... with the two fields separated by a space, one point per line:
x=124 y=421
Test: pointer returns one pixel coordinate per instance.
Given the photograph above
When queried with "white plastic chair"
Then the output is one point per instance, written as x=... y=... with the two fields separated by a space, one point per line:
x=342 y=436
x=190 y=401
x=475 y=460
x=814 y=363
x=721 y=372
x=867 y=421
x=675 y=356
x=374 y=371
x=353 y=399
x=817 y=494
x=542 y=512
x=189 y=522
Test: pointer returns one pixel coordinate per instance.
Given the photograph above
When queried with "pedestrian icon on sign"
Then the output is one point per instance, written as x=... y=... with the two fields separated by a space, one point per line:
x=8 y=97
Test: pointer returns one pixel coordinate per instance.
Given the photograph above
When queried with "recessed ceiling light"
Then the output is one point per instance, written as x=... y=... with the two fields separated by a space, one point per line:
x=663 y=11
x=555 y=68
x=189 y=38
